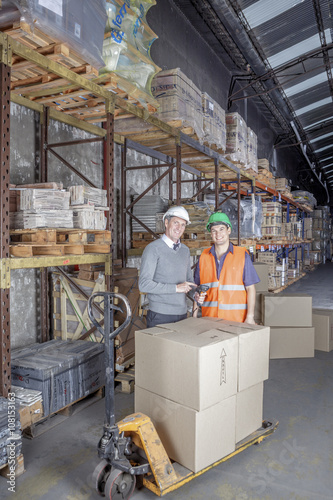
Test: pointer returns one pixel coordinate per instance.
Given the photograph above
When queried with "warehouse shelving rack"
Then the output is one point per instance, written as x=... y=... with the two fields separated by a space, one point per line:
x=67 y=96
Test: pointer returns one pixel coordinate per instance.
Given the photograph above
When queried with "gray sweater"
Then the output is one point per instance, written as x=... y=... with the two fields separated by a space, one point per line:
x=162 y=268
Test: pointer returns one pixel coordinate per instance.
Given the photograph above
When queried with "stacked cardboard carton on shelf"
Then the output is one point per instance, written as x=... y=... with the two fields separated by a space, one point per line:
x=214 y=126
x=271 y=219
x=290 y=318
x=252 y=151
x=201 y=383
x=276 y=279
x=264 y=174
x=236 y=138
x=179 y=100
x=323 y=325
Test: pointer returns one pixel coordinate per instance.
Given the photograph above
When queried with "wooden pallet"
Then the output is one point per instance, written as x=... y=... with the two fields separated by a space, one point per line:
x=57 y=418
x=37 y=242
x=126 y=380
x=6 y=471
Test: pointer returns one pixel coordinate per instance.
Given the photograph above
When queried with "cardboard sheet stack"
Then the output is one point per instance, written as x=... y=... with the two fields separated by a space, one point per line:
x=31 y=405
x=10 y=431
x=179 y=99
x=201 y=383
x=63 y=371
x=88 y=205
x=290 y=318
x=236 y=138
x=42 y=208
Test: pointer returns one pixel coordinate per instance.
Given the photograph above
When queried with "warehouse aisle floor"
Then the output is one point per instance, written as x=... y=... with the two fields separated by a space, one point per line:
x=296 y=462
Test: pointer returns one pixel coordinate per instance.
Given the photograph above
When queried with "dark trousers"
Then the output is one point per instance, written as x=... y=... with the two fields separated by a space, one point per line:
x=154 y=318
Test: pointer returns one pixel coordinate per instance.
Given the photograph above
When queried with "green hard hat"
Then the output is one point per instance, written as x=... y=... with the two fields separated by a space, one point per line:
x=218 y=218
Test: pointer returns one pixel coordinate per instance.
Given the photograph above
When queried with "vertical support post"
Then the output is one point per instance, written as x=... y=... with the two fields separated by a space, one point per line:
x=109 y=177
x=238 y=207
x=178 y=173
x=5 y=374
x=44 y=285
x=171 y=185
x=123 y=202
x=216 y=181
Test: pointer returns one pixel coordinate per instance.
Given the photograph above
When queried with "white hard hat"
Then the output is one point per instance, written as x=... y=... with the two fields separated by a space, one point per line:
x=180 y=212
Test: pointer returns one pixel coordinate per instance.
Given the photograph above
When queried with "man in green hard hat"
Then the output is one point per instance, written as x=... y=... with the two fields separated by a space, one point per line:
x=228 y=271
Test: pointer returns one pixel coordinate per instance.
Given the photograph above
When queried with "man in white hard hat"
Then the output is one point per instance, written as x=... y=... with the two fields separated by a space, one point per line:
x=165 y=274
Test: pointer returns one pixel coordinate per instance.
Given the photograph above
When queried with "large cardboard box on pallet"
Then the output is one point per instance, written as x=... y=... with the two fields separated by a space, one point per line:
x=198 y=362
x=249 y=408
x=323 y=325
x=192 y=362
x=287 y=310
x=262 y=270
x=292 y=342
x=195 y=439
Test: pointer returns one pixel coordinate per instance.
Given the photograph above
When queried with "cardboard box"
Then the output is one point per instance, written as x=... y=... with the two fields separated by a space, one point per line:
x=258 y=309
x=194 y=439
x=192 y=362
x=253 y=348
x=292 y=343
x=288 y=309
x=323 y=324
x=30 y=414
x=249 y=407
x=262 y=271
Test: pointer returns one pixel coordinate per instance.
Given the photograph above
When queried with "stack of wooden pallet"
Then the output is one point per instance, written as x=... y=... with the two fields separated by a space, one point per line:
x=264 y=174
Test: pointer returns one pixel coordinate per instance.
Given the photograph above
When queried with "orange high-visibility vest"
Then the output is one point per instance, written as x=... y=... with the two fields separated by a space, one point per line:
x=226 y=297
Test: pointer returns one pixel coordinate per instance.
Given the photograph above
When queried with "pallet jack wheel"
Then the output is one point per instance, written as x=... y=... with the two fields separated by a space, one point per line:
x=100 y=476
x=120 y=485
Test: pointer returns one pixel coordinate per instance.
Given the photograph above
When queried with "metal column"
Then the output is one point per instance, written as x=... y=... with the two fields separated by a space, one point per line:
x=109 y=178
x=44 y=288
x=123 y=203
x=178 y=174
x=216 y=165
x=238 y=207
x=5 y=372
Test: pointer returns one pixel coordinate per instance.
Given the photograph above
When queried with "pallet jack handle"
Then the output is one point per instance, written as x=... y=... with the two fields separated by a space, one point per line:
x=109 y=336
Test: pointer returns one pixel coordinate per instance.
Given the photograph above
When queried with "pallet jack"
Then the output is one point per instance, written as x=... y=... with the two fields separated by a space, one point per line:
x=132 y=447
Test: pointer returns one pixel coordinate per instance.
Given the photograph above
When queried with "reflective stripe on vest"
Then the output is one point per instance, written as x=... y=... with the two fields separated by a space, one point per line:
x=228 y=300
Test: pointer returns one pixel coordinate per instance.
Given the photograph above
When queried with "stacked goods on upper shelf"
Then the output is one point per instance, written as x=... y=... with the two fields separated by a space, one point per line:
x=308 y=224
x=252 y=151
x=321 y=235
x=88 y=205
x=179 y=100
x=236 y=138
x=42 y=207
x=304 y=198
x=264 y=174
x=10 y=431
x=213 y=123
x=272 y=219
x=282 y=185
x=277 y=272
x=127 y=42
x=78 y=23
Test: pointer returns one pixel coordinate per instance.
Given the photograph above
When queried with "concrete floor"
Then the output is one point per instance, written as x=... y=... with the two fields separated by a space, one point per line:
x=296 y=462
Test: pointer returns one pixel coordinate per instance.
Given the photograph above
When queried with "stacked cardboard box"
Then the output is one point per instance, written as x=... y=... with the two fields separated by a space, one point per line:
x=274 y=274
x=262 y=271
x=282 y=185
x=179 y=99
x=252 y=151
x=31 y=405
x=323 y=325
x=272 y=218
x=201 y=383
x=236 y=138
x=308 y=228
x=88 y=205
x=290 y=318
x=213 y=122
x=264 y=174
